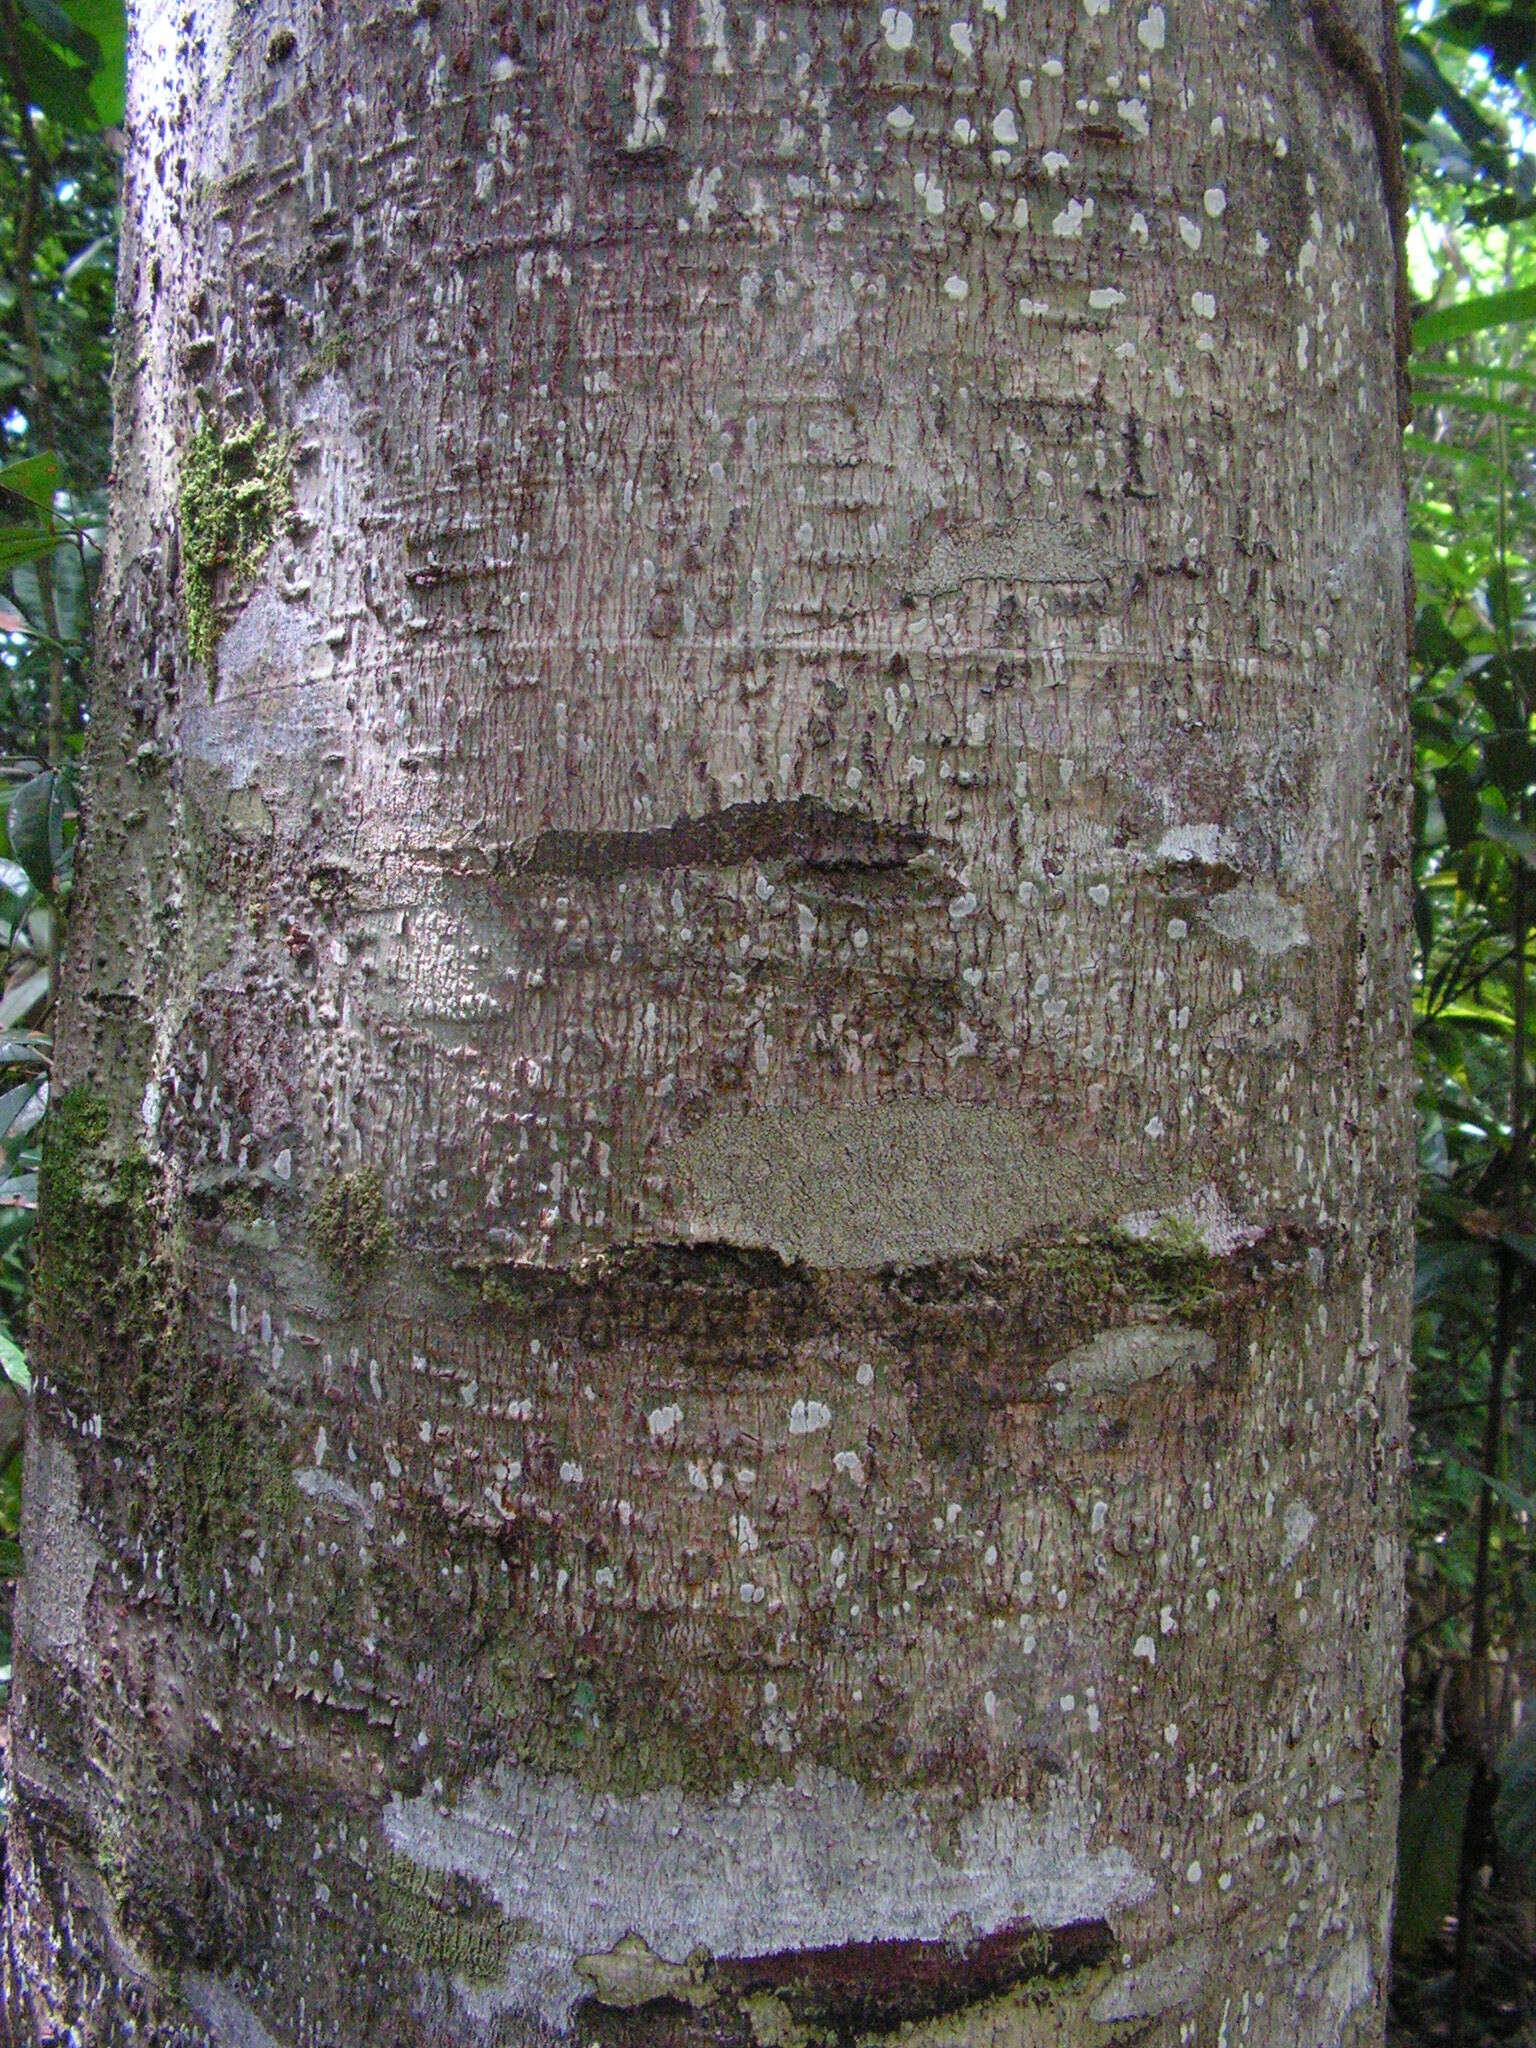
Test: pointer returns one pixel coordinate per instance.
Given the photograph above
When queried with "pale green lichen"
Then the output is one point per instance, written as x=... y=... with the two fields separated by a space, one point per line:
x=235 y=494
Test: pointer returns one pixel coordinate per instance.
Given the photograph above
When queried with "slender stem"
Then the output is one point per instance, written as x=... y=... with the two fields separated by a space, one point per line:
x=1480 y=1792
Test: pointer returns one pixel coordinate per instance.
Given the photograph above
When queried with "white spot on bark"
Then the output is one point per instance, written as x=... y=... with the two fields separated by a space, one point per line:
x=806 y=1417
x=897 y=24
x=649 y=126
x=930 y=191
x=1210 y=845
x=1152 y=29
x=1299 y=1522
x=712 y=34
x=1256 y=917
x=662 y=1421
x=333 y=1492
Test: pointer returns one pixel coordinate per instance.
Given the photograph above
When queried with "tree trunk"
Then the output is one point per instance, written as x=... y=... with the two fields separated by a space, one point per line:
x=723 y=1304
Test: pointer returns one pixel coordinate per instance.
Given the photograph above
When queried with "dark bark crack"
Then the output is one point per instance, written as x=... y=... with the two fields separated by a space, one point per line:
x=806 y=833
x=834 y=1995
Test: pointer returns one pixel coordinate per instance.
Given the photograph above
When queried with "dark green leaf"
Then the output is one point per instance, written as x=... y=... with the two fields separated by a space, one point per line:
x=1509 y=833
x=1474 y=315
x=1434 y=644
x=105 y=21
x=24 y=544
x=28 y=823
x=61 y=89
x=35 y=478
x=1506 y=36
x=13 y=1363
x=1462 y=807
x=1429 y=1853
x=1427 y=91
x=56 y=25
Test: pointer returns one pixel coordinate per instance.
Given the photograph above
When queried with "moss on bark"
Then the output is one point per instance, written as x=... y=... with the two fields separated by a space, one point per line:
x=235 y=492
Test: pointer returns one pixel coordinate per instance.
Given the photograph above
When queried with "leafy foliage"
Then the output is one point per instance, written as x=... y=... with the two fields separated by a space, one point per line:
x=1469 y=118
x=61 y=64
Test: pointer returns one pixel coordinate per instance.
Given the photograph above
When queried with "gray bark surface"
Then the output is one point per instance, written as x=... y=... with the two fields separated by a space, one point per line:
x=724 y=1301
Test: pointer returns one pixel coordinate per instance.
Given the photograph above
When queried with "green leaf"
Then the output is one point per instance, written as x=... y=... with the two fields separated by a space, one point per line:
x=18 y=1116
x=1429 y=1853
x=13 y=1363
x=29 y=827
x=1434 y=644
x=1510 y=1495
x=24 y=544
x=1505 y=35
x=1426 y=91
x=35 y=478
x=56 y=25
x=1471 y=316
x=28 y=1049
x=53 y=84
x=1509 y=833
x=24 y=999
x=105 y=21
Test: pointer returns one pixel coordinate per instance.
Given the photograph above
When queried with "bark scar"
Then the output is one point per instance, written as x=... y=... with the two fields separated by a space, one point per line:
x=806 y=832
x=844 y=1993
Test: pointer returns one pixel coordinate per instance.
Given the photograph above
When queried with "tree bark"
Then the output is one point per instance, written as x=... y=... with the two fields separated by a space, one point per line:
x=723 y=1307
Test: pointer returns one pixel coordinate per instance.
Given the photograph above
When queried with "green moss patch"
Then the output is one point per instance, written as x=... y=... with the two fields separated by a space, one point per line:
x=443 y=1921
x=111 y=1310
x=350 y=1227
x=236 y=490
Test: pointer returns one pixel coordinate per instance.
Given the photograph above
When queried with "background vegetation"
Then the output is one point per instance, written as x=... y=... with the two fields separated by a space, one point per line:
x=1468 y=1856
